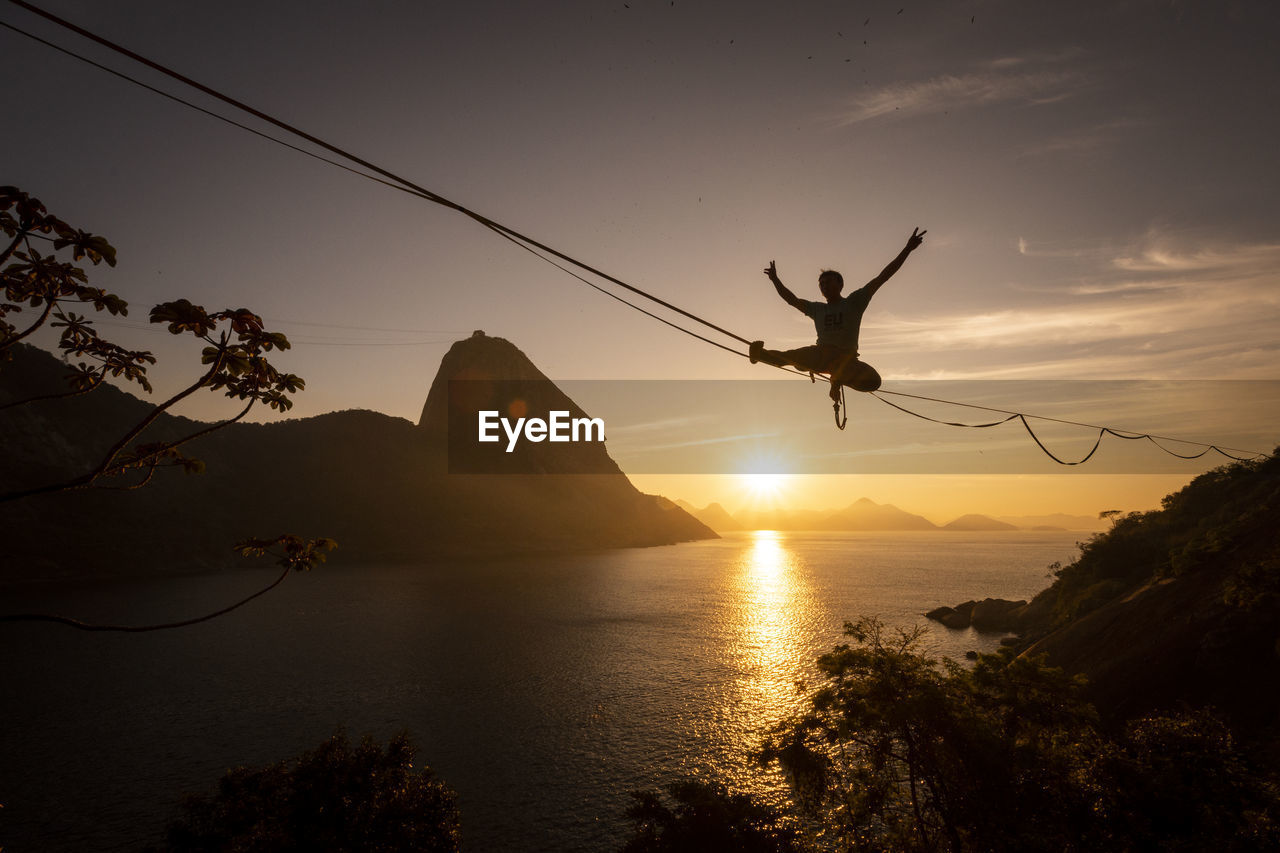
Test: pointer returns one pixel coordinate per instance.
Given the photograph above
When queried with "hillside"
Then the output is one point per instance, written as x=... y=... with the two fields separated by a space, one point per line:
x=866 y=514
x=378 y=485
x=863 y=514
x=1177 y=605
x=1054 y=521
x=713 y=515
x=973 y=521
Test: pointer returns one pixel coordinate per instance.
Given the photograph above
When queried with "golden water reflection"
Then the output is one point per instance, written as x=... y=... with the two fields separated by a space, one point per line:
x=777 y=622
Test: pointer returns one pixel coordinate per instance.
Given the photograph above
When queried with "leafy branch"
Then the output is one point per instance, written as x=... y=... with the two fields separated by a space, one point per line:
x=234 y=359
x=292 y=553
x=43 y=282
x=236 y=364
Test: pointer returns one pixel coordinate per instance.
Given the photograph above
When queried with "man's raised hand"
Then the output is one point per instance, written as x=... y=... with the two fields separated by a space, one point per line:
x=916 y=238
x=772 y=272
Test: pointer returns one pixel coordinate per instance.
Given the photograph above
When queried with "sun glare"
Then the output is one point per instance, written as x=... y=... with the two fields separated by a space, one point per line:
x=765 y=487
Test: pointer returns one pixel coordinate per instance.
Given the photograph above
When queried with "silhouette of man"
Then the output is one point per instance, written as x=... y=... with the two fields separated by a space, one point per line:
x=837 y=321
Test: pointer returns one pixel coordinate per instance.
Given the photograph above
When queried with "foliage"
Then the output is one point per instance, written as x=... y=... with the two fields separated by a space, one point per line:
x=39 y=281
x=704 y=817
x=1225 y=520
x=900 y=753
x=336 y=797
x=234 y=358
x=234 y=361
x=1180 y=781
x=294 y=552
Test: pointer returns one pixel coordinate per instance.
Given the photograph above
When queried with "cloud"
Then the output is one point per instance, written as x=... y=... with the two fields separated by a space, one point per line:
x=1221 y=361
x=1166 y=306
x=1158 y=261
x=1081 y=321
x=661 y=425
x=1043 y=250
x=725 y=439
x=1084 y=141
x=1160 y=257
x=1003 y=81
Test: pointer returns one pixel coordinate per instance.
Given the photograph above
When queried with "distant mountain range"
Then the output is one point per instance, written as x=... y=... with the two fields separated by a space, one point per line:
x=866 y=514
x=378 y=485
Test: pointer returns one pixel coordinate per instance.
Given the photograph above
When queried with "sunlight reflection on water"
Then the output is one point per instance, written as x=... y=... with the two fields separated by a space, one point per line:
x=544 y=689
x=774 y=616
x=770 y=622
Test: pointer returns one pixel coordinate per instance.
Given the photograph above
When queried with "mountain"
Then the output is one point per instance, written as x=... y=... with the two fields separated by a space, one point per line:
x=866 y=514
x=978 y=522
x=1054 y=521
x=1175 y=607
x=863 y=514
x=781 y=519
x=378 y=485
x=715 y=516
x=482 y=373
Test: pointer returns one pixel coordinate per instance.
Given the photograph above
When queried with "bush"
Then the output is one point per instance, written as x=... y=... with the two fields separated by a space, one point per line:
x=706 y=817
x=336 y=797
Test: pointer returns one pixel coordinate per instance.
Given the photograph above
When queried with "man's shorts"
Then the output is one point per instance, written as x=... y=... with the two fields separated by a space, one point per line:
x=841 y=365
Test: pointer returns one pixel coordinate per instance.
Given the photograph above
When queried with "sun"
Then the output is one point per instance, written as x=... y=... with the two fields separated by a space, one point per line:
x=764 y=479
x=765 y=488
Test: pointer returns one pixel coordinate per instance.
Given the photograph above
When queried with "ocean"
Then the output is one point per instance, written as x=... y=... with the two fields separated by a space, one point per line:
x=542 y=689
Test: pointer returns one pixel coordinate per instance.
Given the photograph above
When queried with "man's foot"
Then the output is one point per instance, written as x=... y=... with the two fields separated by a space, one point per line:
x=754 y=351
x=835 y=392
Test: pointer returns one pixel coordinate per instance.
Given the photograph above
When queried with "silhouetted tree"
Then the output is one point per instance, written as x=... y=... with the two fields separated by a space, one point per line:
x=234 y=359
x=706 y=816
x=337 y=797
x=898 y=752
x=1177 y=783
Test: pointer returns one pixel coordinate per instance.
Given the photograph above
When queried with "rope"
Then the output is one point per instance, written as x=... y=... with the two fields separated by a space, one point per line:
x=838 y=403
x=542 y=251
x=404 y=186
x=612 y=295
x=1102 y=430
x=424 y=192
x=198 y=108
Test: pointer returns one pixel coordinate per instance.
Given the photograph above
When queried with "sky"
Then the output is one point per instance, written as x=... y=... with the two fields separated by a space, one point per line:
x=1098 y=181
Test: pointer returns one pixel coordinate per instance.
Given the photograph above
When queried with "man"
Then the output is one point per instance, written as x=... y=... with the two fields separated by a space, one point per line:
x=837 y=321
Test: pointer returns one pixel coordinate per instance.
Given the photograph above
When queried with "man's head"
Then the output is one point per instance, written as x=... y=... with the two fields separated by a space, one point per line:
x=830 y=283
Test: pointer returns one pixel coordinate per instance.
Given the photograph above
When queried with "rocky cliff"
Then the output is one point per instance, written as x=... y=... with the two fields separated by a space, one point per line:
x=1179 y=606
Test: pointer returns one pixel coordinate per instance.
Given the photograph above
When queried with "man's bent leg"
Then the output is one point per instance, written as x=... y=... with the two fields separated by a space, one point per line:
x=858 y=375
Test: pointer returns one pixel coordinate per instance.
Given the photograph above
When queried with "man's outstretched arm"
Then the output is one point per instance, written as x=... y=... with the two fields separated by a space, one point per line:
x=913 y=243
x=790 y=298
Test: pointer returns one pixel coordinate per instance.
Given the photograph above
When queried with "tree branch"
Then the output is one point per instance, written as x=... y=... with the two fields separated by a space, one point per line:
x=148 y=420
x=13 y=247
x=58 y=396
x=86 y=480
x=136 y=629
x=151 y=472
x=44 y=315
x=211 y=428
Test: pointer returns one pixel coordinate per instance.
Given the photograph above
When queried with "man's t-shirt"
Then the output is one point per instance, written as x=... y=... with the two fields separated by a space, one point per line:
x=838 y=322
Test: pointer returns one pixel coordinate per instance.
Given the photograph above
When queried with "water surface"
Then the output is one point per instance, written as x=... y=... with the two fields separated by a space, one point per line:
x=542 y=690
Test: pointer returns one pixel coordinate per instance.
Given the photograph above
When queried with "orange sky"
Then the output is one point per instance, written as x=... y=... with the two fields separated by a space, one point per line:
x=1098 y=181
x=940 y=499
